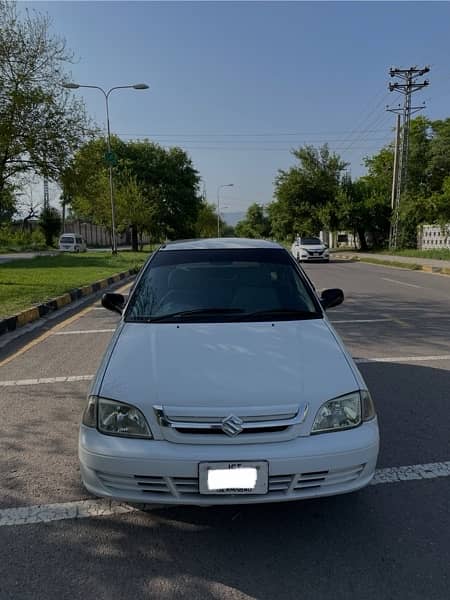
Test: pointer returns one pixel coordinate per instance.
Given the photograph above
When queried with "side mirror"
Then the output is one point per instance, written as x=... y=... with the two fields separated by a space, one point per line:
x=114 y=302
x=332 y=297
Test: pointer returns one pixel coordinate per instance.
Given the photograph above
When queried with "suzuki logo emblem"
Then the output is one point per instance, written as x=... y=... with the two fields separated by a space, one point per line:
x=232 y=425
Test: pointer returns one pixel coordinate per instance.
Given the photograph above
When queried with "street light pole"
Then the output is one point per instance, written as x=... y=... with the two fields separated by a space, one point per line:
x=136 y=86
x=218 y=204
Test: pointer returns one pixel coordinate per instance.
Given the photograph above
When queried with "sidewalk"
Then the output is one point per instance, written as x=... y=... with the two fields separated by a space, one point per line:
x=424 y=264
x=4 y=258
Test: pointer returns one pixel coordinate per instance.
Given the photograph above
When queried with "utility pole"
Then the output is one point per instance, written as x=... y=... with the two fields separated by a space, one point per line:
x=407 y=85
x=395 y=173
x=46 y=194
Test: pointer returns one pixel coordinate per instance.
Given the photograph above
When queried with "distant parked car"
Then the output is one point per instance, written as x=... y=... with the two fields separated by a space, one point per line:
x=72 y=242
x=310 y=249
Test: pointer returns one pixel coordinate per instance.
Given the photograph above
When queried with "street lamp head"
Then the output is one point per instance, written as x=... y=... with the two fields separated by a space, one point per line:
x=140 y=86
x=71 y=86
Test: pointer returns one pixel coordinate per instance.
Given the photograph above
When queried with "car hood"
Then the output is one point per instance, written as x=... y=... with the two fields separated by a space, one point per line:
x=227 y=364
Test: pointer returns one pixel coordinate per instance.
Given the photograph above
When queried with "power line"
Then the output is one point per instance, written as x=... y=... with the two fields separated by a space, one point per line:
x=381 y=98
x=256 y=148
x=249 y=135
x=302 y=140
x=379 y=120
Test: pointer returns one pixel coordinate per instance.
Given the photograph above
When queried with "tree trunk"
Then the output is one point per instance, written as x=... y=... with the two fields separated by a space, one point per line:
x=362 y=239
x=134 y=239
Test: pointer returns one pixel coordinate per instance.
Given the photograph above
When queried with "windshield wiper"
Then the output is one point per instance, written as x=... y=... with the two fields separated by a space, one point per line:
x=281 y=312
x=194 y=312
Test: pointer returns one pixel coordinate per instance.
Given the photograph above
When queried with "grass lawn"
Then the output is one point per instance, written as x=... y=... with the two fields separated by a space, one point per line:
x=439 y=253
x=24 y=283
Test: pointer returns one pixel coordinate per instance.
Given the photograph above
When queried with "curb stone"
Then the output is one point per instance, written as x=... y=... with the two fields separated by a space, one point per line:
x=395 y=265
x=34 y=313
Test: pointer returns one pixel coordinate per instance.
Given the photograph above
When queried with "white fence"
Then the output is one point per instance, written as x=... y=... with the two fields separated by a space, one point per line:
x=432 y=237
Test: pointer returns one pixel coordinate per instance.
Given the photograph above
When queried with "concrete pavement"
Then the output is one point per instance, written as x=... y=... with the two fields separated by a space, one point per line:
x=388 y=541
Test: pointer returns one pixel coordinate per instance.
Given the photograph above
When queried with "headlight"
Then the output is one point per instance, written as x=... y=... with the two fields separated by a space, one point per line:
x=344 y=412
x=115 y=418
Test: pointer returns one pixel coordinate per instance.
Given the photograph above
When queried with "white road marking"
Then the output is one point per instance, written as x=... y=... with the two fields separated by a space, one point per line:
x=411 y=473
x=42 y=380
x=402 y=359
x=83 y=331
x=82 y=509
x=401 y=282
x=44 y=513
x=360 y=320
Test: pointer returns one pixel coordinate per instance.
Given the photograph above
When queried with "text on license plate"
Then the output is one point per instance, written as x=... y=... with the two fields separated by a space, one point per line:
x=233 y=478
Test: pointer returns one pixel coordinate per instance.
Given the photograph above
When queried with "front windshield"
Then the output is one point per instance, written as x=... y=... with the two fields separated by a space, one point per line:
x=310 y=242
x=221 y=285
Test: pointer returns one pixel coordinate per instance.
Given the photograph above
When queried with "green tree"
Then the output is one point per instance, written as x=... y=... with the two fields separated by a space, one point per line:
x=7 y=204
x=256 y=223
x=439 y=154
x=170 y=185
x=305 y=193
x=155 y=190
x=206 y=224
x=423 y=197
x=41 y=124
x=50 y=224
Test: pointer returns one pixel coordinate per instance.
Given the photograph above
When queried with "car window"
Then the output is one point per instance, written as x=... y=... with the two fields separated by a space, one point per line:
x=311 y=241
x=67 y=239
x=238 y=282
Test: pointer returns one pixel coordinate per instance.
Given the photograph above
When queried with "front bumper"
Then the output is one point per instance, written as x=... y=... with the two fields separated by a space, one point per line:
x=321 y=258
x=160 y=472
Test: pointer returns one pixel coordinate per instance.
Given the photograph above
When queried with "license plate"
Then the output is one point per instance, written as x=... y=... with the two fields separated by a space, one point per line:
x=234 y=478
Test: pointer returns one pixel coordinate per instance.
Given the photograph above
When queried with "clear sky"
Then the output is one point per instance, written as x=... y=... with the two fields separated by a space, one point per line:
x=240 y=83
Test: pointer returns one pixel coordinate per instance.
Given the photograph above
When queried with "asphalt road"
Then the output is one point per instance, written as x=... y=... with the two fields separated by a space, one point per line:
x=391 y=540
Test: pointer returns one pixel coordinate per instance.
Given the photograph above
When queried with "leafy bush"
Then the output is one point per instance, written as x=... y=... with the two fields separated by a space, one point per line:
x=14 y=240
x=50 y=224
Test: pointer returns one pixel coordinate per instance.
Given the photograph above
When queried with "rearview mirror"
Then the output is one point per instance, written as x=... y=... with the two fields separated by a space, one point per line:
x=114 y=302
x=331 y=297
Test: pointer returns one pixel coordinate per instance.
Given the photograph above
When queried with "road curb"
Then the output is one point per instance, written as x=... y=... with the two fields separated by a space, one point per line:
x=397 y=265
x=36 y=312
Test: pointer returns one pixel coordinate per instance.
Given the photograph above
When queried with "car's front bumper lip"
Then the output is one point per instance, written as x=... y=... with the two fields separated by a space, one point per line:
x=321 y=257
x=149 y=471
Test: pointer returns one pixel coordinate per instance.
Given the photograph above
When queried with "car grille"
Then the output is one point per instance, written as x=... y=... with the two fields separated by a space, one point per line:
x=192 y=425
x=292 y=485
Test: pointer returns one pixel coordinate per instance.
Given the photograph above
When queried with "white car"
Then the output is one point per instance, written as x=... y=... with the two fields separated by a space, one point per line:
x=225 y=383
x=310 y=249
x=72 y=242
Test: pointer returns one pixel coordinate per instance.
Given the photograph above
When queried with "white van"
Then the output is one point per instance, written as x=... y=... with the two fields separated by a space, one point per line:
x=72 y=242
